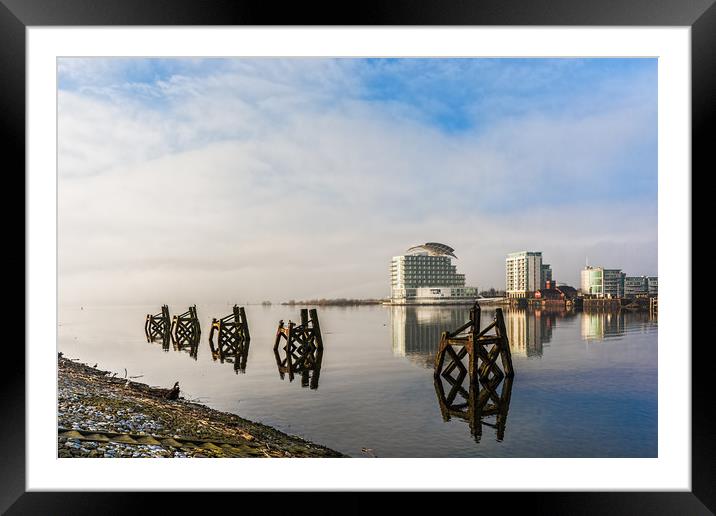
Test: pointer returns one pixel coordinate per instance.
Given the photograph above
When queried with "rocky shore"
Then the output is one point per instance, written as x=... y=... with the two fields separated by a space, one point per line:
x=100 y=415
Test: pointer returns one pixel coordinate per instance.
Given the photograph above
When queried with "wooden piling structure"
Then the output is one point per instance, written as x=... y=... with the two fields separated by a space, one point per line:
x=185 y=328
x=303 y=351
x=477 y=404
x=157 y=326
x=483 y=372
x=233 y=338
x=191 y=347
x=481 y=348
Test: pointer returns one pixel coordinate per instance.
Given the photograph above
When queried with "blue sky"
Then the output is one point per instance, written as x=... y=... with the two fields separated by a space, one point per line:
x=527 y=153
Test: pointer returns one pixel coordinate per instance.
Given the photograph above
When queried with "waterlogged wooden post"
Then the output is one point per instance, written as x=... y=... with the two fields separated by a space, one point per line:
x=318 y=339
x=482 y=349
x=504 y=344
x=232 y=332
x=303 y=350
x=157 y=326
x=243 y=322
x=185 y=328
x=289 y=349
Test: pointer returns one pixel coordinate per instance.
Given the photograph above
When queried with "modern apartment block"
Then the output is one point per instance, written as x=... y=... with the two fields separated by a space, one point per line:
x=636 y=286
x=426 y=275
x=523 y=274
x=601 y=282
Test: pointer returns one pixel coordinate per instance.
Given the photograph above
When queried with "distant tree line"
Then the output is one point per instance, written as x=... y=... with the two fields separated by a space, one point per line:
x=493 y=293
x=337 y=302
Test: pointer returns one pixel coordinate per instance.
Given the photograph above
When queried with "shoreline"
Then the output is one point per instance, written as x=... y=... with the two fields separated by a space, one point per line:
x=104 y=416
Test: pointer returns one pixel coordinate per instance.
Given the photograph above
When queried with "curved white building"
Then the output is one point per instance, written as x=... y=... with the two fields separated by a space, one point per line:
x=425 y=275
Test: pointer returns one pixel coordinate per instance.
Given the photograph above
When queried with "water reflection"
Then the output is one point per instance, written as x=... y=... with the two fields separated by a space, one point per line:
x=613 y=325
x=236 y=353
x=529 y=330
x=600 y=325
x=303 y=350
x=480 y=404
x=416 y=329
x=306 y=364
x=233 y=339
x=598 y=398
x=187 y=346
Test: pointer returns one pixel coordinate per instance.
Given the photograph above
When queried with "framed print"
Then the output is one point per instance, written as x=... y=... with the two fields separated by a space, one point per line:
x=429 y=237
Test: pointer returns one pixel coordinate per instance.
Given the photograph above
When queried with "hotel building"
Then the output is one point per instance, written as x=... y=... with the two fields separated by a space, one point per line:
x=425 y=275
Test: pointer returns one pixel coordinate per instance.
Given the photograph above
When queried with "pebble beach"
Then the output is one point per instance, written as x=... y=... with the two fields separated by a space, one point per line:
x=103 y=416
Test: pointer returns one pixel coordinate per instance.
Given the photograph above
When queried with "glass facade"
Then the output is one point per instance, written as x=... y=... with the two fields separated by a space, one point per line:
x=636 y=285
x=600 y=282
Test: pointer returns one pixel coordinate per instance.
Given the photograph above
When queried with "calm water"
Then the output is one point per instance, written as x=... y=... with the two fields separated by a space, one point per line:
x=585 y=384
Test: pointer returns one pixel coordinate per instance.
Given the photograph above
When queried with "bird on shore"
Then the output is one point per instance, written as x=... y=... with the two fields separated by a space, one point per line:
x=174 y=393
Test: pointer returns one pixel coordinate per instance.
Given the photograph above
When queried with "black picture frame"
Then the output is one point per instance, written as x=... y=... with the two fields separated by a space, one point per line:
x=699 y=15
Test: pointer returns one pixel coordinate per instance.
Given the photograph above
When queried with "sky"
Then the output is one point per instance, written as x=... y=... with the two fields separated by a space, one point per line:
x=243 y=180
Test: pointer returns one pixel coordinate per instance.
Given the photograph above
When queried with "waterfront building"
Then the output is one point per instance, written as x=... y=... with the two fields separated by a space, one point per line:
x=554 y=292
x=636 y=286
x=601 y=282
x=653 y=284
x=546 y=275
x=523 y=273
x=425 y=275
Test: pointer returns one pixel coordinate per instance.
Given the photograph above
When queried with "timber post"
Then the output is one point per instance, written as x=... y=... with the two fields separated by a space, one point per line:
x=157 y=326
x=233 y=338
x=303 y=349
x=482 y=350
x=185 y=329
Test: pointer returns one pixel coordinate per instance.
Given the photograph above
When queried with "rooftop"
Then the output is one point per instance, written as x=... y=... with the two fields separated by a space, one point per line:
x=434 y=248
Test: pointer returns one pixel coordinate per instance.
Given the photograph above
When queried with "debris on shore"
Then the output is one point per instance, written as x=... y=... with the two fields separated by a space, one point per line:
x=103 y=416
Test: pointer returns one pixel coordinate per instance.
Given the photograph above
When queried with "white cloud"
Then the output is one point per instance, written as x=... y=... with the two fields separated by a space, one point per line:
x=262 y=180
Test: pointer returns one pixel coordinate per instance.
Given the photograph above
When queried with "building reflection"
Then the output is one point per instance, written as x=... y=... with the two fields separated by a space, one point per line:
x=416 y=330
x=611 y=325
x=602 y=325
x=529 y=330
